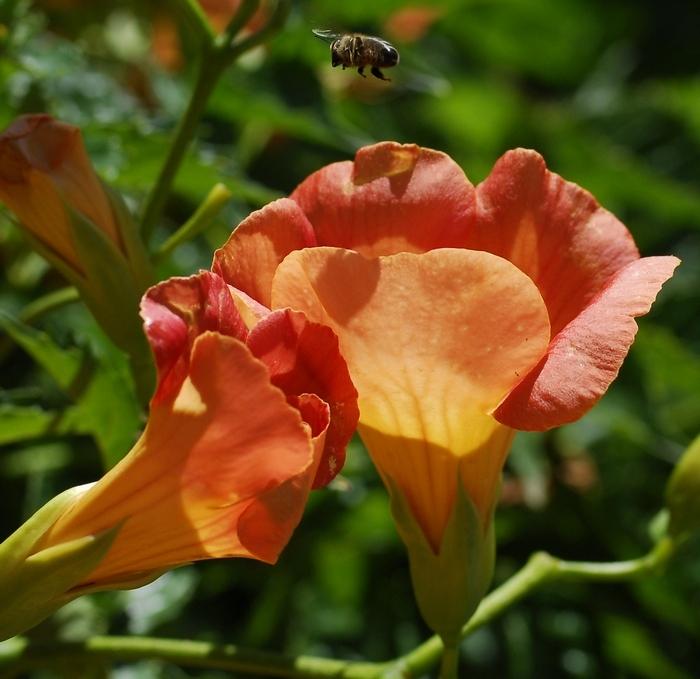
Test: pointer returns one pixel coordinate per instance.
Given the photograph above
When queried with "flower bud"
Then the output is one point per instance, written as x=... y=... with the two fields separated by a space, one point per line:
x=683 y=493
x=34 y=582
x=79 y=225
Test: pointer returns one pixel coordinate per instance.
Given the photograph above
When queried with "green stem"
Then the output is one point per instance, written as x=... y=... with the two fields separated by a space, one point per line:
x=541 y=568
x=449 y=665
x=40 y=306
x=200 y=220
x=185 y=653
x=277 y=18
x=216 y=56
x=208 y=72
x=196 y=18
x=49 y=302
x=245 y=12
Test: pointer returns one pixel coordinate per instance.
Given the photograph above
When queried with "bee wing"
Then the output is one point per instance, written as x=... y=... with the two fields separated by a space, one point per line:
x=326 y=35
x=385 y=43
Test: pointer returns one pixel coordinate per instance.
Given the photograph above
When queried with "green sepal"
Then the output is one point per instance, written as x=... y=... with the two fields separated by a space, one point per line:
x=449 y=585
x=683 y=493
x=111 y=283
x=113 y=295
x=136 y=253
x=35 y=584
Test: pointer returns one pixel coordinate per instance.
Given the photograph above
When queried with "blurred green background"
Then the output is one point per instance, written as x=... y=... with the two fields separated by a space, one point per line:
x=608 y=91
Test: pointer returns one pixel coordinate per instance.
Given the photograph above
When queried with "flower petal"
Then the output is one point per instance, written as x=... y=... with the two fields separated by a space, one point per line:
x=433 y=341
x=279 y=509
x=393 y=198
x=585 y=357
x=38 y=206
x=552 y=230
x=215 y=455
x=175 y=313
x=250 y=256
x=304 y=358
x=55 y=150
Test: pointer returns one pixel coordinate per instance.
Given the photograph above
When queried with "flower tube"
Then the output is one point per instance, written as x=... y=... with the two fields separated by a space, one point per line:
x=465 y=313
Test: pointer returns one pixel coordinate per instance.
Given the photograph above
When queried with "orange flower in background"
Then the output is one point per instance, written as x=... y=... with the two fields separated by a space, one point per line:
x=464 y=313
x=242 y=424
x=43 y=170
x=165 y=39
x=220 y=12
x=410 y=24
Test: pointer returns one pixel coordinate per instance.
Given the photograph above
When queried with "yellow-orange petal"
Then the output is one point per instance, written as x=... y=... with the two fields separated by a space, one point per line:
x=249 y=258
x=204 y=463
x=433 y=342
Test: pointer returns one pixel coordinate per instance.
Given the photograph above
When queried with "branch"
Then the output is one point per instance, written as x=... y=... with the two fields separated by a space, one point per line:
x=20 y=653
x=216 y=55
x=541 y=568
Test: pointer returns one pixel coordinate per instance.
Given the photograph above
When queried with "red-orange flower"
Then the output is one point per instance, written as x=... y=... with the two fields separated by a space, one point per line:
x=464 y=312
x=43 y=169
x=243 y=422
x=165 y=40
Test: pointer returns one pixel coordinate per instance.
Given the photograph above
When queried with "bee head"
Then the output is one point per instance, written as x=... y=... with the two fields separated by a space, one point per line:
x=388 y=56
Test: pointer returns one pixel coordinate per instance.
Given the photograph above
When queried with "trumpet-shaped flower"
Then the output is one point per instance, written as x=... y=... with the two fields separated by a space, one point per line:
x=243 y=423
x=464 y=312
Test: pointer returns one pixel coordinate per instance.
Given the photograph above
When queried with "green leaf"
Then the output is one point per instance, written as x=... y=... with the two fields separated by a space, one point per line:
x=21 y=423
x=632 y=648
x=108 y=408
x=671 y=374
x=64 y=365
x=101 y=388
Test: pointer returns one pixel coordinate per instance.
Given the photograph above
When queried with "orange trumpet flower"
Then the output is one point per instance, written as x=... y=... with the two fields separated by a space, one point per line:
x=243 y=423
x=464 y=312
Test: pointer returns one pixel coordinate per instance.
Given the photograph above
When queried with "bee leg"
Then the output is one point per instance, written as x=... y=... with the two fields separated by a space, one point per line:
x=360 y=71
x=378 y=74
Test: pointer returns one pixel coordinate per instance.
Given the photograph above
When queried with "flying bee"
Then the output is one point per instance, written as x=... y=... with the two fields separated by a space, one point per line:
x=355 y=50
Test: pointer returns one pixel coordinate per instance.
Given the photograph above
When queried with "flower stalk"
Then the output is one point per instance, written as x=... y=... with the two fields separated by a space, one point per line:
x=217 y=54
x=541 y=569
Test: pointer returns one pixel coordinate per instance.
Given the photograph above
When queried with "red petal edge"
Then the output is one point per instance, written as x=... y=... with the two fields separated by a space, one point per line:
x=392 y=198
x=304 y=358
x=175 y=313
x=551 y=229
x=585 y=357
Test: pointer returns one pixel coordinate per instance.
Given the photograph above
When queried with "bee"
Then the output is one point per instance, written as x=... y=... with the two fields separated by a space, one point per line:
x=355 y=50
